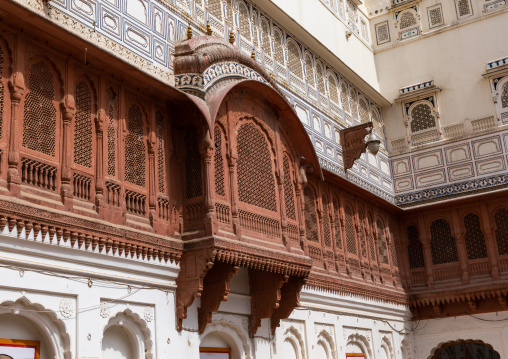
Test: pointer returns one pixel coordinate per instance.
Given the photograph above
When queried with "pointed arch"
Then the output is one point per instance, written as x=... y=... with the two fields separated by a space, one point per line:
x=294 y=336
x=294 y=59
x=309 y=70
x=320 y=78
x=245 y=21
x=266 y=35
x=327 y=341
x=332 y=88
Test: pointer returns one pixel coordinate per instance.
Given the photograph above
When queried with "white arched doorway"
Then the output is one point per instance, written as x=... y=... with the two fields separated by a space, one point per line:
x=224 y=340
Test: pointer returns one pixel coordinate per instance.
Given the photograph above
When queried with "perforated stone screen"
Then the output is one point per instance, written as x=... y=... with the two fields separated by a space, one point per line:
x=2 y=90
x=504 y=96
x=309 y=72
x=194 y=184
x=381 y=243
x=407 y=19
x=326 y=222
x=289 y=196
x=350 y=231
x=332 y=88
x=442 y=244
x=267 y=47
x=295 y=64
x=135 y=148
x=160 y=151
x=414 y=248
x=244 y=21
x=111 y=137
x=218 y=162
x=310 y=215
x=475 y=241
x=338 y=236
x=83 y=126
x=422 y=118
x=501 y=221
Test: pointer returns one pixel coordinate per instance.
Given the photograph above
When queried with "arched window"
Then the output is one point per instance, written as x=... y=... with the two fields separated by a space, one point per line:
x=332 y=88
x=376 y=121
x=393 y=248
x=442 y=244
x=39 y=124
x=475 y=241
x=504 y=96
x=363 y=245
x=135 y=148
x=83 y=126
x=229 y=13
x=338 y=236
x=117 y=342
x=310 y=215
x=414 y=248
x=295 y=63
x=266 y=37
x=161 y=158
x=326 y=222
x=309 y=72
x=344 y=96
x=193 y=179
x=278 y=44
x=244 y=21
x=464 y=7
x=381 y=243
x=289 y=196
x=218 y=162
x=364 y=111
x=407 y=19
x=422 y=117
x=111 y=133
x=350 y=231
x=215 y=8
x=501 y=221
x=470 y=349
x=354 y=102
x=256 y=183
x=372 y=247
x=320 y=79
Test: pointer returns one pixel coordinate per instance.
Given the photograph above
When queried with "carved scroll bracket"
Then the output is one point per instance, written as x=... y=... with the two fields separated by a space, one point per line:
x=290 y=299
x=353 y=144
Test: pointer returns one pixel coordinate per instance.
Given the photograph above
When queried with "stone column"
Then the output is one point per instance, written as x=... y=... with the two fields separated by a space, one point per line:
x=461 y=246
x=17 y=91
x=68 y=106
x=100 y=122
x=152 y=200
x=489 y=241
x=207 y=151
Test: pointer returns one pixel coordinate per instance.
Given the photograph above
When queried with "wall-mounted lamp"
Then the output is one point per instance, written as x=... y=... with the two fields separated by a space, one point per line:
x=348 y=34
x=353 y=143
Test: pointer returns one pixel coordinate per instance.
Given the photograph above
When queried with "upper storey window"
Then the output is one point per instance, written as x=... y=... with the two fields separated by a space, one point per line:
x=464 y=8
x=497 y=73
x=408 y=22
x=407 y=19
x=422 y=122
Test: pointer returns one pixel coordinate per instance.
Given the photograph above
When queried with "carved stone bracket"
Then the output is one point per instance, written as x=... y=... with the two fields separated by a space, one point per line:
x=193 y=268
x=215 y=290
x=265 y=296
x=353 y=144
x=290 y=299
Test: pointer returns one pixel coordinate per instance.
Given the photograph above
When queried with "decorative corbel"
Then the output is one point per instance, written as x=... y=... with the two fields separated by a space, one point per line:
x=290 y=299
x=353 y=143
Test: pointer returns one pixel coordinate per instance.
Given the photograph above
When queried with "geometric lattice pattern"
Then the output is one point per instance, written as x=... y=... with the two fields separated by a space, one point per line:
x=244 y=21
x=135 y=149
x=504 y=96
x=2 y=90
x=326 y=223
x=475 y=241
x=363 y=245
x=381 y=243
x=111 y=137
x=193 y=181
x=39 y=123
x=442 y=244
x=320 y=79
x=350 y=231
x=332 y=88
x=218 y=162
x=464 y=7
x=372 y=247
x=310 y=215
x=414 y=248
x=422 y=118
x=407 y=19
x=501 y=221
x=279 y=51
x=309 y=71
x=344 y=94
x=160 y=150
x=214 y=7
x=295 y=64
x=338 y=240
x=436 y=17
x=83 y=126
x=289 y=197
x=267 y=47
x=354 y=103
x=364 y=111
x=256 y=183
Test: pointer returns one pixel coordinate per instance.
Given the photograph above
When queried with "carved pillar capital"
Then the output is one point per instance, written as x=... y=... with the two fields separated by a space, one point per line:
x=17 y=87
x=68 y=106
x=100 y=121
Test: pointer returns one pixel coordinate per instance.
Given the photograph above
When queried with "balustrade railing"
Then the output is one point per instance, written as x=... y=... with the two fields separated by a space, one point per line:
x=484 y=124
x=81 y=186
x=38 y=174
x=479 y=267
x=135 y=203
x=447 y=272
x=163 y=208
x=113 y=194
x=418 y=276
x=222 y=213
x=424 y=137
x=194 y=213
x=293 y=233
x=454 y=130
x=258 y=223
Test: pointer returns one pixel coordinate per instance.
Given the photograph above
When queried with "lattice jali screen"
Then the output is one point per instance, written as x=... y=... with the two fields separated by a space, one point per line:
x=194 y=183
x=2 y=90
x=267 y=47
x=393 y=247
x=350 y=231
x=111 y=136
x=354 y=103
x=295 y=64
x=463 y=6
x=345 y=97
x=256 y=183
x=310 y=215
x=279 y=51
x=39 y=125
x=475 y=241
x=414 y=248
x=504 y=96
x=161 y=160
x=363 y=245
x=320 y=79
x=309 y=72
x=83 y=126
x=364 y=111
x=422 y=118
x=407 y=19
x=501 y=221
x=135 y=149
x=381 y=243
x=442 y=244
x=338 y=237
x=218 y=162
x=332 y=89
x=327 y=236
x=289 y=194
x=370 y=237
x=214 y=6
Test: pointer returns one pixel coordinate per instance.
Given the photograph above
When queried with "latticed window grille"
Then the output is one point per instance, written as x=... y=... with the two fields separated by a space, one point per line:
x=135 y=148
x=320 y=79
x=345 y=97
x=501 y=221
x=289 y=196
x=407 y=19
x=295 y=63
x=393 y=248
x=327 y=236
x=244 y=21
x=381 y=243
x=378 y=126
x=214 y=7
x=364 y=111
x=218 y=162
x=266 y=37
x=422 y=118
x=414 y=248
x=332 y=88
x=504 y=96
x=111 y=136
x=311 y=220
x=256 y=183
x=229 y=12
x=351 y=12
x=363 y=245
x=309 y=71
x=442 y=244
x=2 y=90
x=194 y=183
x=338 y=240
x=464 y=7
x=354 y=102
x=278 y=44
x=83 y=126
x=350 y=231
x=39 y=125
x=372 y=246
x=161 y=160
x=475 y=241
